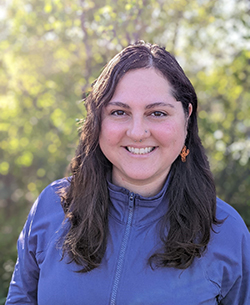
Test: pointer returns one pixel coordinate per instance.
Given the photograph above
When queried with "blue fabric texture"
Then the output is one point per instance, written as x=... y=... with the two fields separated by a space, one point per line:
x=220 y=276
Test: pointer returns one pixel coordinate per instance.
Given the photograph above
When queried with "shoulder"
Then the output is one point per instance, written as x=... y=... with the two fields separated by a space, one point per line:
x=230 y=216
x=49 y=200
x=232 y=230
x=230 y=240
x=52 y=191
x=46 y=217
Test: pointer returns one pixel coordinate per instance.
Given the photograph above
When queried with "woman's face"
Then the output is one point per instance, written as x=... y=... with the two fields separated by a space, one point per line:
x=143 y=130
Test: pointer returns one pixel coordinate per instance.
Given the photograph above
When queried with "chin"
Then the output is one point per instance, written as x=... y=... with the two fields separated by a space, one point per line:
x=143 y=178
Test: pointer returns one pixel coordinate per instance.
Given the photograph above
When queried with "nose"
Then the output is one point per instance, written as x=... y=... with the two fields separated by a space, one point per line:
x=138 y=130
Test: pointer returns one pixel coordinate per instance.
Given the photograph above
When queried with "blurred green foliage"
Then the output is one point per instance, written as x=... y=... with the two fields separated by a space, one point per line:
x=52 y=50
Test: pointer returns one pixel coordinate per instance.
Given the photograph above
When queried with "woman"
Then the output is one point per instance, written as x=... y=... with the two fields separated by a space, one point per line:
x=138 y=222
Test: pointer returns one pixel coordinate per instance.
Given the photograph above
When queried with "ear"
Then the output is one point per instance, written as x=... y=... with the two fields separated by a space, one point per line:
x=190 y=110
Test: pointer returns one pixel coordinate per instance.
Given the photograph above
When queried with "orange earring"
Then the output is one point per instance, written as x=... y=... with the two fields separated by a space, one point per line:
x=184 y=153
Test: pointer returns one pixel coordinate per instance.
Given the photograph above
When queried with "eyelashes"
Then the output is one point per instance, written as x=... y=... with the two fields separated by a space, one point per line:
x=118 y=112
x=158 y=114
x=153 y=114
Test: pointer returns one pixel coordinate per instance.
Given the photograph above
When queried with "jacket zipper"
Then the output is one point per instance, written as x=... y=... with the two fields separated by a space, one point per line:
x=122 y=250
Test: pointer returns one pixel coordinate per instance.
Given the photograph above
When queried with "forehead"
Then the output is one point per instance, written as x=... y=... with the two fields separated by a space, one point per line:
x=144 y=74
x=143 y=83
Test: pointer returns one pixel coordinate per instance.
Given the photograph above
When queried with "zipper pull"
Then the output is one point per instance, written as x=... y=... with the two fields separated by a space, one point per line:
x=131 y=200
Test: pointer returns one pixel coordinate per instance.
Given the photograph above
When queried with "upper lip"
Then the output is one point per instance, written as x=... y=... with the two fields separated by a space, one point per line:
x=137 y=146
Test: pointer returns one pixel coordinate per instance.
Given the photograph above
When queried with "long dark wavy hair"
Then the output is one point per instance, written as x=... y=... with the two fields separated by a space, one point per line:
x=191 y=191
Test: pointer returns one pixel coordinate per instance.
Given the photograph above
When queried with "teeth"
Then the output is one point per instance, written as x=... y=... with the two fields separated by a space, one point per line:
x=140 y=151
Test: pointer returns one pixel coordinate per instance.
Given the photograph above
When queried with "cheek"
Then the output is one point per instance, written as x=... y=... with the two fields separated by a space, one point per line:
x=171 y=134
x=171 y=129
x=110 y=134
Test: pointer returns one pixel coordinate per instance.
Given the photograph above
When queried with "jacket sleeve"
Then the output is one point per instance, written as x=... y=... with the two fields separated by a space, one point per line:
x=44 y=220
x=238 y=293
x=23 y=285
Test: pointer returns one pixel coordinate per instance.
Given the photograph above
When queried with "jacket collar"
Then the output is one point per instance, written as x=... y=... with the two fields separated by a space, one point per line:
x=146 y=209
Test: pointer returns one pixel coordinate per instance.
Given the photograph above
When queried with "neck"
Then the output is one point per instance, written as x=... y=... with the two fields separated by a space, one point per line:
x=143 y=188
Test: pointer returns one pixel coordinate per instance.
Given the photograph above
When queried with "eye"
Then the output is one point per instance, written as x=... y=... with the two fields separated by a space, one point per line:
x=118 y=112
x=158 y=113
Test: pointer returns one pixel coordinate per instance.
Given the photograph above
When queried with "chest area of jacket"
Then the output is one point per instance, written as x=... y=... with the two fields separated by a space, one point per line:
x=124 y=276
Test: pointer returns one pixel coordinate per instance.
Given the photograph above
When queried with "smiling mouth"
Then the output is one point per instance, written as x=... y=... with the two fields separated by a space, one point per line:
x=140 y=151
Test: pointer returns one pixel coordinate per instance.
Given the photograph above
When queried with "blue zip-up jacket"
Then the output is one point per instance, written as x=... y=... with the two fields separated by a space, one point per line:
x=220 y=276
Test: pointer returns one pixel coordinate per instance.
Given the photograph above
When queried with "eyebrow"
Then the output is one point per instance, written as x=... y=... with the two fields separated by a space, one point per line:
x=119 y=104
x=149 y=106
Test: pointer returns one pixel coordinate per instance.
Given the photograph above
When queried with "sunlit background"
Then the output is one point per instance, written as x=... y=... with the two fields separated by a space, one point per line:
x=52 y=50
